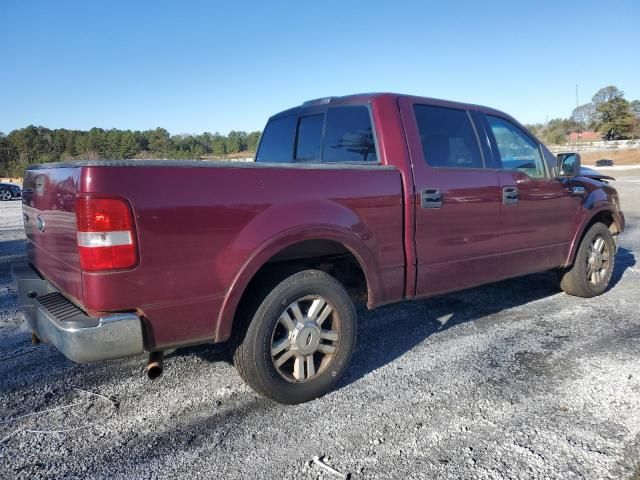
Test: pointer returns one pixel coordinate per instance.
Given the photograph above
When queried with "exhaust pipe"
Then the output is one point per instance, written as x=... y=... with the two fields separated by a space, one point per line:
x=154 y=367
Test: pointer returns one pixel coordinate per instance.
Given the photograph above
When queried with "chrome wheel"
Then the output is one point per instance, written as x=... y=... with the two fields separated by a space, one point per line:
x=5 y=195
x=305 y=339
x=597 y=260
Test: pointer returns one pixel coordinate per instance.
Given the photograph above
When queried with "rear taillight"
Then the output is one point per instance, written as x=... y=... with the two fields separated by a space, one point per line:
x=106 y=235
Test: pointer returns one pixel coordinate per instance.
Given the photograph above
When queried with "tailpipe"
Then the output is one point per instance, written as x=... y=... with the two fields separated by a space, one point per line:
x=154 y=367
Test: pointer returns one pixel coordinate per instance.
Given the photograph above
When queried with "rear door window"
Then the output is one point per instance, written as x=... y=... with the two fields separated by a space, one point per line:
x=348 y=135
x=309 y=139
x=276 y=145
x=448 y=138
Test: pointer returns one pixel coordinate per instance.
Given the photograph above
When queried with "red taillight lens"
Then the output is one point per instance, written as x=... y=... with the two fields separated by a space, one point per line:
x=106 y=237
x=103 y=215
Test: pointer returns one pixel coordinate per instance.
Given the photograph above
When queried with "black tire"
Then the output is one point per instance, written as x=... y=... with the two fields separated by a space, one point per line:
x=5 y=194
x=253 y=346
x=578 y=280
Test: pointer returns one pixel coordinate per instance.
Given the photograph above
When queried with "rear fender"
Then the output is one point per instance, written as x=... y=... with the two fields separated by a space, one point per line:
x=345 y=228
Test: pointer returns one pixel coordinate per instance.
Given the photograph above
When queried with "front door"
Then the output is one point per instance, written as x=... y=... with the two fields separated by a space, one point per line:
x=537 y=213
x=456 y=200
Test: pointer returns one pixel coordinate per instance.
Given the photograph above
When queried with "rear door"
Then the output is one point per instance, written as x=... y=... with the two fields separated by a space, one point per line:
x=537 y=210
x=456 y=200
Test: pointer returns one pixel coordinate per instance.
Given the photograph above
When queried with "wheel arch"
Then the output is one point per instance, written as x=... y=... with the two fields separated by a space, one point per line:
x=606 y=215
x=278 y=246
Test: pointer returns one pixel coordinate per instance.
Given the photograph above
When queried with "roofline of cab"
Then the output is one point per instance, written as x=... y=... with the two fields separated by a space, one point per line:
x=366 y=98
x=357 y=99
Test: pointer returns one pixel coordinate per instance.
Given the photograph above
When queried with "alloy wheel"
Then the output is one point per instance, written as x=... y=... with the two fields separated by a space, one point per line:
x=597 y=260
x=306 y=339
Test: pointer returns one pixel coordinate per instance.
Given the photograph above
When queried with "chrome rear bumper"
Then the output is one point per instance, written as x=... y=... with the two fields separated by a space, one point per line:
x=79 y=337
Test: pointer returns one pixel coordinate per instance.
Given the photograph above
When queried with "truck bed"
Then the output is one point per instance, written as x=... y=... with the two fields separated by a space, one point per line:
x=200 y=225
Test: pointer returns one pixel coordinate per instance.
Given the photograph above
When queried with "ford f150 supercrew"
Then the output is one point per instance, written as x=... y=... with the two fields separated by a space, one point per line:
x=375 y=197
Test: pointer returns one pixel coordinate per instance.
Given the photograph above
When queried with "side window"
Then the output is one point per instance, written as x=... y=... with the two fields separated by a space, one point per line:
x=348 y=136
x=448 y=138
x=517 y=150
x=309 y=138
x=276 y=144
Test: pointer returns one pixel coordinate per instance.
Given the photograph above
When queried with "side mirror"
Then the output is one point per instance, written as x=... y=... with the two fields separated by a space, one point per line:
x=568 y=165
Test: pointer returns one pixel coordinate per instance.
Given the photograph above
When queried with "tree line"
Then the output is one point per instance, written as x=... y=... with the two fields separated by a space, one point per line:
x=608 y=113
x=33 y=144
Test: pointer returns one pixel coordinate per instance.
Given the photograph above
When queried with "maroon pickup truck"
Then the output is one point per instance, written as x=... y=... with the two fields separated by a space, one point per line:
x=376 y=198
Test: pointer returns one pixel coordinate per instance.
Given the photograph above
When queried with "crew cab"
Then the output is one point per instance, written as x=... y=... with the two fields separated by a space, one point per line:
x=376 y=198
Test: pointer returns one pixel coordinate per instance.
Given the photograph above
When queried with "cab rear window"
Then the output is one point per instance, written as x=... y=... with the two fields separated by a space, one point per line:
x=309 y=138
x=341 y=135
x=349 y=136
x=276 y=145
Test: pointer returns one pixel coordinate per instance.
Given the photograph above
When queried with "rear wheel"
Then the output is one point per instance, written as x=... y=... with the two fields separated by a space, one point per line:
x=299 y=339
x=593 y=266
x=5 y=194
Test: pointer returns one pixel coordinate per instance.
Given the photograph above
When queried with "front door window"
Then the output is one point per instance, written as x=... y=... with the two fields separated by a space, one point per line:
x=517 y=150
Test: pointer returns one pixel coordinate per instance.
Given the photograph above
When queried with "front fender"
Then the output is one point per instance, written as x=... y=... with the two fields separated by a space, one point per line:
x=596 y=203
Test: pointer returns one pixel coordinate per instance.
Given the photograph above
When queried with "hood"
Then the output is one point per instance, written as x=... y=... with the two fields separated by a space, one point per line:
x=592 y=173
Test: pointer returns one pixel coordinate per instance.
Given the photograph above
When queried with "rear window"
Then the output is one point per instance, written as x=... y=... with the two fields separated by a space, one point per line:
x=309 y=138
x=448 y=138
x=348 y=136
x=277 y=141
x=343 y=134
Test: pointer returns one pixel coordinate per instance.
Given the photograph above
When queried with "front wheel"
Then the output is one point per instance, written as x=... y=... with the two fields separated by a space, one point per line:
x=592 y=268
x=299 y=340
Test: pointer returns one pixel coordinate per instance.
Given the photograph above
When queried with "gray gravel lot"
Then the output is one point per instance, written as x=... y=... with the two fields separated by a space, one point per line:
x=511 y=380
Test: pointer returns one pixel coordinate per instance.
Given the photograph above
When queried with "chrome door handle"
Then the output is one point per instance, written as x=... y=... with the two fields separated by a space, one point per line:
x=510 y=195
x=431 y=198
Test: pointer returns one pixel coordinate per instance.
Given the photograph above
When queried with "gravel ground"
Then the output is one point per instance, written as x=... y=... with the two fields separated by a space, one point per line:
x=511 y=380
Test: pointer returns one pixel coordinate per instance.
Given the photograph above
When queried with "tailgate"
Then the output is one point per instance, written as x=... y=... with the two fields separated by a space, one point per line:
x=48 y=204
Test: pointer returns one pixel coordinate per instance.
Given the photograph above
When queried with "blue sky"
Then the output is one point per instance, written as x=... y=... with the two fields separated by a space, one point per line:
x=194 y=66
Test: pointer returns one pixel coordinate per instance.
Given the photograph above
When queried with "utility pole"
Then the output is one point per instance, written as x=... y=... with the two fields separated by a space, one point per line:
x=579 y=126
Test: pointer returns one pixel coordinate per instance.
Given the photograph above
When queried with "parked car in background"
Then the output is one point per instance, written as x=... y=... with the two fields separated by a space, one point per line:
x=604 y=163
x=376 y=198
x=9 y=191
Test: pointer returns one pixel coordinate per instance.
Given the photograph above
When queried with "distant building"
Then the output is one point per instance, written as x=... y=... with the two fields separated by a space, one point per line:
x=586 y=136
